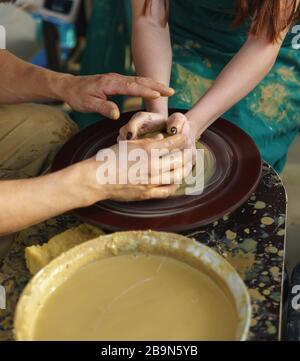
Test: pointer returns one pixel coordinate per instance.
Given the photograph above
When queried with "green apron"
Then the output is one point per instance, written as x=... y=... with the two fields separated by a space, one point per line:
x=203 y=43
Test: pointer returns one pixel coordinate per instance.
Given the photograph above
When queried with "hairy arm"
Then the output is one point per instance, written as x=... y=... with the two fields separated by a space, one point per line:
x=151 y=47
x=23 y=82
x=29 y=201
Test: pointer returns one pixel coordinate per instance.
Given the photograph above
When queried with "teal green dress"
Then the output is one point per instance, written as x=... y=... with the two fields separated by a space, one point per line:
x=203 y=42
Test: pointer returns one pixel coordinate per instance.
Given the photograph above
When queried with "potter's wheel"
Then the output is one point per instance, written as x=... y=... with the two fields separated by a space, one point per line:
x=237 y=171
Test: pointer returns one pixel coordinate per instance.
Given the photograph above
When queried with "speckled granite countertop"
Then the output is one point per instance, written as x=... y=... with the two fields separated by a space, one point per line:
x=252 y=239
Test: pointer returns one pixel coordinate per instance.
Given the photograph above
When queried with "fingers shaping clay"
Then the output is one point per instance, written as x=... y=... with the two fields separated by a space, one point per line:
x=193 y=178
x=209 y=164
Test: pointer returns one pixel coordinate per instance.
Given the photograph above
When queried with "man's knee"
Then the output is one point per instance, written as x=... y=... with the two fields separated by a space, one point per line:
x=32 y=135
x=53 y=128
x=53 y=125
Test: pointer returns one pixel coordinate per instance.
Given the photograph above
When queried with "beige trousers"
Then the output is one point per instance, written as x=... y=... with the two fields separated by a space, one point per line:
x=30 y=136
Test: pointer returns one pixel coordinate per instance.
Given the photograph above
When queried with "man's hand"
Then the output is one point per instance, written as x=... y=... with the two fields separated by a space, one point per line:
x=159 y=179
x=29 y=201
x=23 y=82
x=90 y=93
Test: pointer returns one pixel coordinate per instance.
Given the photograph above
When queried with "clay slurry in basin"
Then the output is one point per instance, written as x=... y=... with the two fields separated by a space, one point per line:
x=137 y=297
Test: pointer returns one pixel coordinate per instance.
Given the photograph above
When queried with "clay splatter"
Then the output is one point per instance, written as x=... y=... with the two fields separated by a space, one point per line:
x=230 y=235
x=256 y=295
x=271 y=249
x=267 y=221
x=260 y=205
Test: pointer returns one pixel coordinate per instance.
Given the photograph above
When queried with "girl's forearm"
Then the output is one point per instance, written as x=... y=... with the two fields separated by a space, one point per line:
x=152 y=54
x=241 y=75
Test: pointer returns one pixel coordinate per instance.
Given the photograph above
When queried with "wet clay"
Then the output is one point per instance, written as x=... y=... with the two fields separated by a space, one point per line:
x=137 y=297
x=209 y=164
x=38 y=256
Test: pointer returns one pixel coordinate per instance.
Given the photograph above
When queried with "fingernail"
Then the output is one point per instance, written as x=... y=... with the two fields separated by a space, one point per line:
x=172 y=91
x=173 y=130
x=129 y=135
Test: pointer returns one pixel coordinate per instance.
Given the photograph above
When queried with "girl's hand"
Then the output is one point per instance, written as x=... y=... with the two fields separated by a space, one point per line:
x=178 y=123
x=142 y=123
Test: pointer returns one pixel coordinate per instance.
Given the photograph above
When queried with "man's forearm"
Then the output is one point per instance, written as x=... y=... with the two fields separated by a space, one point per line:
x=23 y=82
x=29 y=201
